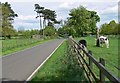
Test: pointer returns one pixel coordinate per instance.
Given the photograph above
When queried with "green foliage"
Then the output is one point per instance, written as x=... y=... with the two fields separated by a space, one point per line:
x=110 y=29
x=66 y=31
x=14 y=45
x=49 y=19
x=39 y=11
x=94 y=18
x=46 y=15
x=50 y=15
x=50 y=31
x=62 y=66
x=81 y=22
x=34 y=32
x=61 y=32
x=116 y=30
x=28 y=33
x=106 y=29
x=8 y=16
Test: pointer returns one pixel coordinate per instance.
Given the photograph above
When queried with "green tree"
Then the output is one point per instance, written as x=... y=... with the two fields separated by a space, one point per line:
x=34 y=32
x=50 y=16
x=27 y=33
x=94 y=18
x=8 y=16
x=116 y=30
x=47 y=15
x=109 y=29
x=112 y=25
x=83 y=20
x=50 y=31
x=39 y=11
x=60 y=32
x=105 y=29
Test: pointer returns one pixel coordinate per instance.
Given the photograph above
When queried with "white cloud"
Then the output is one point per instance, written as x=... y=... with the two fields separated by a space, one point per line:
x=28 y=17
x=26 y=26
x=108 y=10
x=28 y=22
x=66 y=4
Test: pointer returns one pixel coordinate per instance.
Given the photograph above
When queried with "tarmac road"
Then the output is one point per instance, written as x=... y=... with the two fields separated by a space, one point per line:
x=19 y=66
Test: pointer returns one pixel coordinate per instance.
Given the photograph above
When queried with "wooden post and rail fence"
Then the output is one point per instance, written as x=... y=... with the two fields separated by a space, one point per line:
x=82 y=54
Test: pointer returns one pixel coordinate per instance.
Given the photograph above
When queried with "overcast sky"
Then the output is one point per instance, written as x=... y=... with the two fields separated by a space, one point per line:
x=107 y=10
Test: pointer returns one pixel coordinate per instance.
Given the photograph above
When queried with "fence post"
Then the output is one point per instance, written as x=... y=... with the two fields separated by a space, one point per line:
x=102 y=76
x=90 y=61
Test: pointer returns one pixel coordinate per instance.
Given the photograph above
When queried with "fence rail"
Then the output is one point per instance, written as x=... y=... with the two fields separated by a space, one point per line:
x=82 y=54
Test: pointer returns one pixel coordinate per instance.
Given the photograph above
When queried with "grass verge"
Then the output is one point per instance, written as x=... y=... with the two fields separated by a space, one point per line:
x=60 y=67
x=16 y=49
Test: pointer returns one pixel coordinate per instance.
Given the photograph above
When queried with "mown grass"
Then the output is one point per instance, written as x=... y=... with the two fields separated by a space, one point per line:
x=60 y=67
x=110 y=55
x=15 y=45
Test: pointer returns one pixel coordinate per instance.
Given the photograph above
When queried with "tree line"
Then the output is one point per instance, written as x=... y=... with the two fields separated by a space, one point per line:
x=81 y=22
x=111 y=28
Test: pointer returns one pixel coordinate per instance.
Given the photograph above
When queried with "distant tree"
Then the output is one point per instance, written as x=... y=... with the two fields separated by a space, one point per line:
x=50 y=31
x=27 y=33
x=109 y=29
x=112 y=25
x=116 y=30
x=66 y=31
x=105 y=29
x=34 y=32
x=49 y=16
x=8 y=16
x=39 y=11
x=61 y=32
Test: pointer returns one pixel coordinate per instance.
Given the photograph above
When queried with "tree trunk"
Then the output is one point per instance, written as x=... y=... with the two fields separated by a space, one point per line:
x=97 y=38
x=4 y=37
x=9 y=36
x=40 y=23
x=44 y=25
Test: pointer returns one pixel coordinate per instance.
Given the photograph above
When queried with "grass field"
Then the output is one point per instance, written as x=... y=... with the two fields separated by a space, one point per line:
x=14 y=45
x=109 y=54
x=60 y=67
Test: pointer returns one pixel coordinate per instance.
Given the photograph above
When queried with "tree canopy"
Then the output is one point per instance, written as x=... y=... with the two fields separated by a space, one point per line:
x=81 y=22
x=8 y=16
x=110 y=29
x=48 y=16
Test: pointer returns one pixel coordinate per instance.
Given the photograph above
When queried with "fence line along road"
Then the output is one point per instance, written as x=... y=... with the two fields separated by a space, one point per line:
x=21 y=65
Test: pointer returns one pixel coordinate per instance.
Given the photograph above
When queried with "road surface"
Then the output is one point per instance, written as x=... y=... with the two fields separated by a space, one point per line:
x=19 y=66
